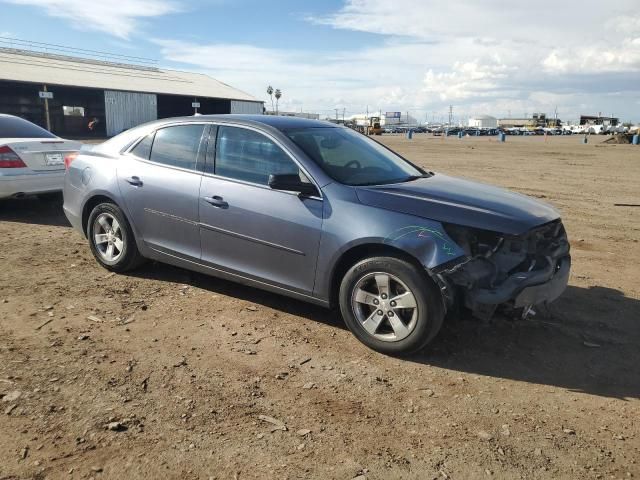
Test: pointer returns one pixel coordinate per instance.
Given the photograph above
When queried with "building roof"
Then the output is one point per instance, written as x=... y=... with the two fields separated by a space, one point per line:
x=483 y=117
x=36 y=67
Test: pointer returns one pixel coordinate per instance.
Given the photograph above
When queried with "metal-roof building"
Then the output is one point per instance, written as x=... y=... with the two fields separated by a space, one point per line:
x=91 y=97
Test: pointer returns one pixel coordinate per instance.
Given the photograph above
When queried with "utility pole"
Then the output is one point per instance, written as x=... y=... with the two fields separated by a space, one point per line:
x=46 y=109
x=366 y=122
x=450 y=114
x=343 y=109
x=336 y=114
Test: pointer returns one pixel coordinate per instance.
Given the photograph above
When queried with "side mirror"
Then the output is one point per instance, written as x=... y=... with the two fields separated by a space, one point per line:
x=292 y=183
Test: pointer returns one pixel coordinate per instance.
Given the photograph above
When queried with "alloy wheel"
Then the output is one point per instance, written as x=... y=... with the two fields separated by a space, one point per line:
x=384 y=306
x=108 y=237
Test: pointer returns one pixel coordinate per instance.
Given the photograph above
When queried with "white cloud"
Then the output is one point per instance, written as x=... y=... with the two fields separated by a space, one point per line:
x=626 y=24
x=625 y=57
x=415 y=76
x=482 y=57
x=120 y=19
x=466 y=80
x=559 y=55
x=534 y=23
x=322 y=81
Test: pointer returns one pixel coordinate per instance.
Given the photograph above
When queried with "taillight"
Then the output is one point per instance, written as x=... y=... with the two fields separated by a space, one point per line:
x=68 y=160
x=10 y=159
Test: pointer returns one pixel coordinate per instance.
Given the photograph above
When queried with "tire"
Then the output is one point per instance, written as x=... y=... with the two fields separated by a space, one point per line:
x=111 y=239
x=360 y=289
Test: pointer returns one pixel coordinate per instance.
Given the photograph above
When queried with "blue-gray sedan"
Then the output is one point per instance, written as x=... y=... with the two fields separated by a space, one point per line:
x=318 y=212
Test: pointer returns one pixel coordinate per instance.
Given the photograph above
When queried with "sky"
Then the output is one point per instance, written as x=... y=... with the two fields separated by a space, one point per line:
x=495 y=57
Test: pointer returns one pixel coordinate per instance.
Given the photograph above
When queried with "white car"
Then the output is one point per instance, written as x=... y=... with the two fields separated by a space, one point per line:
x=31 y=158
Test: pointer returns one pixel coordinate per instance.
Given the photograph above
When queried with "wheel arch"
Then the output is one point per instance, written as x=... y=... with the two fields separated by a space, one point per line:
x=359 y=252
x=91 y=203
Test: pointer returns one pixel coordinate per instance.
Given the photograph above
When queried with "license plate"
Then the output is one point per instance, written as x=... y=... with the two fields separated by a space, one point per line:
x=53 y=159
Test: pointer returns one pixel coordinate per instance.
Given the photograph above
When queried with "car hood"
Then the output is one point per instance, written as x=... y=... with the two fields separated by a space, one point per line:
x=461 y=202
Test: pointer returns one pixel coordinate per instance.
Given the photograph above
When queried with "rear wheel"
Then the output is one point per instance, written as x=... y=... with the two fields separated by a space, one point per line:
x=111 y=239
x=391 y=305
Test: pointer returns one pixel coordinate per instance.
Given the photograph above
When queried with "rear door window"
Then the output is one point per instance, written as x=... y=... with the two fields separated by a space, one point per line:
x=247 y=155
x=177 y=146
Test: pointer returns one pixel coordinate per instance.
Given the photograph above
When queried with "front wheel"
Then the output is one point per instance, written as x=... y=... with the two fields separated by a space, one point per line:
x=111 y=239
x=390 y=305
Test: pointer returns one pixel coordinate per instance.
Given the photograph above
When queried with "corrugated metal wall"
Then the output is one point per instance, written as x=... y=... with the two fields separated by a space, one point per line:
x=248 y=108
x=124 y=110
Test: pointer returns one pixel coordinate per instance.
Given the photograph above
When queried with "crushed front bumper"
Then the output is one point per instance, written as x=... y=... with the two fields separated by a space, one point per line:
x=517 y=271
x=526 y=288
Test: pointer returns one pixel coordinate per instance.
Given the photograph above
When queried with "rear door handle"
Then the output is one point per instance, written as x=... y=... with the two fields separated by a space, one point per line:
x=135 y=181
x=216 y=201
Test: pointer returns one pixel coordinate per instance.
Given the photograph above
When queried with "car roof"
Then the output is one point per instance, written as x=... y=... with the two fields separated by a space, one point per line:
x=283 y=123
x=278 y=122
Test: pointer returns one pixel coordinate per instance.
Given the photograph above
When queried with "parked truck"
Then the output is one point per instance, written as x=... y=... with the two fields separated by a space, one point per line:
x=369 y=126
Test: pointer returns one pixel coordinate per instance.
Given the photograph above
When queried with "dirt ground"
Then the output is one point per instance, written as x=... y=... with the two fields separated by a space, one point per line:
x=166 y=374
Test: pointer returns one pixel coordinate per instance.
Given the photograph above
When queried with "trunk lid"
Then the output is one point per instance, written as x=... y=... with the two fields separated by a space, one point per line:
x=42 y=154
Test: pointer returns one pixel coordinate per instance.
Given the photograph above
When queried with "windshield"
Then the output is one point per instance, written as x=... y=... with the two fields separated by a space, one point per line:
x=352 y=158
x=16 y=127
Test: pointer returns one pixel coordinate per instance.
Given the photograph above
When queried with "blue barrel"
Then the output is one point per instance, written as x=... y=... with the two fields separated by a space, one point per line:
x=636 y=139
x=409 y=134
x=585 y=140
x=502 y=137
x=460 y=134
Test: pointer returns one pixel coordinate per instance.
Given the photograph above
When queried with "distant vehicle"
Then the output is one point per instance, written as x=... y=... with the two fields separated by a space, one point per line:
x=611 y=130
x=573 y=129
x=317 y=212
x=596 y=129
x=31 y=158
x=371 y=126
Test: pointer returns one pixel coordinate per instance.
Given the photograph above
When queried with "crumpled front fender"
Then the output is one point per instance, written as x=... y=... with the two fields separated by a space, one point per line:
x=426 y=241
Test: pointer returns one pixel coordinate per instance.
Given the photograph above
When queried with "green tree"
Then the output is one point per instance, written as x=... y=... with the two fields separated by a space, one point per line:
x=270 y=93
x=278 y=94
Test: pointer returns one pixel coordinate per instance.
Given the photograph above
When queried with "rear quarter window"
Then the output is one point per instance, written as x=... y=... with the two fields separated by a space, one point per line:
x=143 y=148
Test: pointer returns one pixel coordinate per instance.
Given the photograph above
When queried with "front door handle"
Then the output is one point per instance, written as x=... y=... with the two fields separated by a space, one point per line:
x=216 y=201
x=135 y=181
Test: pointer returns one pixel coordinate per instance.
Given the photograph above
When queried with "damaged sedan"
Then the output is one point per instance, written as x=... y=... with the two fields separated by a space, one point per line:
x=317 y=212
